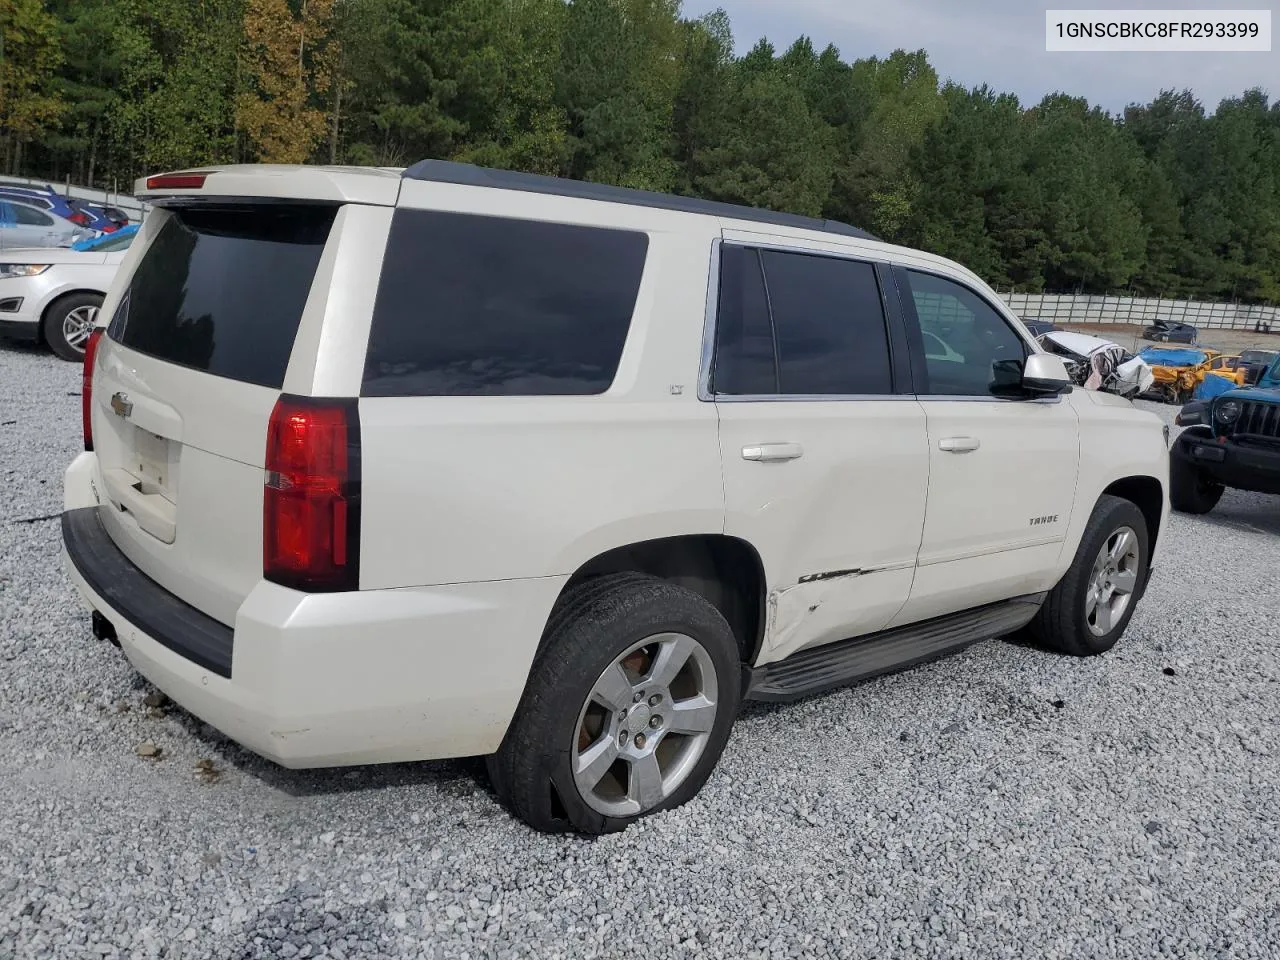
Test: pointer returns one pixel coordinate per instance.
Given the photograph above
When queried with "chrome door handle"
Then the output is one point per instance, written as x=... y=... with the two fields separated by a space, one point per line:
x=959 y=444
x=772 y=452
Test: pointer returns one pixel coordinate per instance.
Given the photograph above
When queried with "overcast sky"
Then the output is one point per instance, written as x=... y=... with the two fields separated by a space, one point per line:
x=1001 y=43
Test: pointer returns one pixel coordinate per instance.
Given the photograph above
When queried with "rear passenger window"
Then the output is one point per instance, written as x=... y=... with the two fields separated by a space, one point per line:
x=486 y=306
x=799 y=324
x=31 y=217
x=746 y=361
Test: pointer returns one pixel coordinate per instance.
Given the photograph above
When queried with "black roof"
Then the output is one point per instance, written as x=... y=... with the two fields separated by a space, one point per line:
x=445 y=171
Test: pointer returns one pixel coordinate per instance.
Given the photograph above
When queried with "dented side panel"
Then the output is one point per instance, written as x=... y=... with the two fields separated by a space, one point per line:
x=839 y=526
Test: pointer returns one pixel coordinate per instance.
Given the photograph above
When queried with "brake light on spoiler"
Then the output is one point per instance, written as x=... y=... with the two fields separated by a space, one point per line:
x=177 y=181
x=311 y=498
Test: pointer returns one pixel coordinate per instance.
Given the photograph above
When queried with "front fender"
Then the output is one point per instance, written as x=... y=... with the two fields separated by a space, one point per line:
x=1118 y=442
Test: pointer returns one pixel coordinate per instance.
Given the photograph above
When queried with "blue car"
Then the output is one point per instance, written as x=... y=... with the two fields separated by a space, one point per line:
x=114 y=239
x=1230 y=440
x=80 y=212
x=44 y=198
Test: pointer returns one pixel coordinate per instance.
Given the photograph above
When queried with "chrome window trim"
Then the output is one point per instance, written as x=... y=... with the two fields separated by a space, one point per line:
x=709 y=339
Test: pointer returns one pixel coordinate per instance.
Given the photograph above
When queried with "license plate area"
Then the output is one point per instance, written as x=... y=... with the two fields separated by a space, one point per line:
x=154 y=464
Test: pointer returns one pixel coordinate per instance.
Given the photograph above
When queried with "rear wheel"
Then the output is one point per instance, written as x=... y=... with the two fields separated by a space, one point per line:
x=1190 y=491
x=627 y=709
x=68 y=323
x=1088 y=610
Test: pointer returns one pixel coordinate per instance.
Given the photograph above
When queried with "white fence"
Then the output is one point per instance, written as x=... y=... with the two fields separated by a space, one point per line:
x=131 y=205
x=1065 y=308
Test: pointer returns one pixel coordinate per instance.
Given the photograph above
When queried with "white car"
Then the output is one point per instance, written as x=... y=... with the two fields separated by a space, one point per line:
x=387 y=467
x=52 y=294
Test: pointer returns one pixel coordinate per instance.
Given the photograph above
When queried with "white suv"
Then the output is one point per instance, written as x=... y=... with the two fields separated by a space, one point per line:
x=387 y=466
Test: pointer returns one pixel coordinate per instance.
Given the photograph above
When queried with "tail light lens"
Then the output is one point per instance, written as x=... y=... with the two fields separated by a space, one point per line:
x=86 y=386
x=311 y=501
x=79 y=219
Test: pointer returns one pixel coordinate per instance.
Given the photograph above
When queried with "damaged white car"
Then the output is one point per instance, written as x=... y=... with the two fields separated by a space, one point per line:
x=1098 y=364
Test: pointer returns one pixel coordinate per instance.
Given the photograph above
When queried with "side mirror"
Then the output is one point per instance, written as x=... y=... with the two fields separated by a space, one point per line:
x=1045 y=375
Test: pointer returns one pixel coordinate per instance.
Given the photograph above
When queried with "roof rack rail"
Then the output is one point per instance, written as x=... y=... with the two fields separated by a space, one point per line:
x=466 y=174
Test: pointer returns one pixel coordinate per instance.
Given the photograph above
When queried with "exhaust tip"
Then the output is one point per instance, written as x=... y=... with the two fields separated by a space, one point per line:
x=103 y=630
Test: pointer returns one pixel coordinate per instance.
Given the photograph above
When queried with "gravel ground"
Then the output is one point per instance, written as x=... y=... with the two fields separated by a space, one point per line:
x=1001 y=803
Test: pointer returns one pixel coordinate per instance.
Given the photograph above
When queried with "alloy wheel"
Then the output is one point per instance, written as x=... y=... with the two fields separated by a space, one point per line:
x=644 y=725
x=1112 y=582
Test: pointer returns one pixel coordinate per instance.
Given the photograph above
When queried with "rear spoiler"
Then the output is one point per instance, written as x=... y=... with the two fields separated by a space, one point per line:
x=265 y=181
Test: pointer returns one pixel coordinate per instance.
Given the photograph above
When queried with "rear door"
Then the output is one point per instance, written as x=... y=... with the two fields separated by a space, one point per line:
x=194 y=358
x=823 y=447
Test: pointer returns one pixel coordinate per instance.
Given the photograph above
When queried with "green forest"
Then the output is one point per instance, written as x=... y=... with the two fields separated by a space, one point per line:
x=1171 y=197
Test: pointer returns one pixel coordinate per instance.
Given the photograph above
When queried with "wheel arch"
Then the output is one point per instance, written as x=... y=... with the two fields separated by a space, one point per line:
x=57 y=298
x=1146 y=493
x=726 y=571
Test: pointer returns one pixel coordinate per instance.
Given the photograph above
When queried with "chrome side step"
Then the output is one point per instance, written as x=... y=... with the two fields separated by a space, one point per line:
x=836 y=664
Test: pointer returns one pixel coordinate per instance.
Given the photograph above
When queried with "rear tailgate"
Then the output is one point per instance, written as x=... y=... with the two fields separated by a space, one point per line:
x=192 y=363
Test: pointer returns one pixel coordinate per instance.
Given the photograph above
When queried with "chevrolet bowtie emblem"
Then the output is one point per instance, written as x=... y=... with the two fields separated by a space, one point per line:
x=121 y=404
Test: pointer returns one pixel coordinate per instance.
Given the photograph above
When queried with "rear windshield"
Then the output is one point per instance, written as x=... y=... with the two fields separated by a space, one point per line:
x=486 y=306
x=222 y=290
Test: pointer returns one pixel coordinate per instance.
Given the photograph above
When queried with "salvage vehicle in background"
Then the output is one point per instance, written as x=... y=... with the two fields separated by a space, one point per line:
x=384 y=466
x=1098 y=364
x=1231 y=440
x=24 y=225
x=1257 y=362
x=51 y=295
x=1166 y=331
x=1179 y=370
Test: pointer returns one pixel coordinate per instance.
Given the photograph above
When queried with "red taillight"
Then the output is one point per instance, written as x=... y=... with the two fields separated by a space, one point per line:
x=311 y=501
x=176 y=181
x=86 y=386
x=79 y=219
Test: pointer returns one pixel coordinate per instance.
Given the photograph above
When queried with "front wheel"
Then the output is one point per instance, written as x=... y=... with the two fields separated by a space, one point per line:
x=627 y=709
x=1085 y=614
x=68 y=323
x=1190 y=491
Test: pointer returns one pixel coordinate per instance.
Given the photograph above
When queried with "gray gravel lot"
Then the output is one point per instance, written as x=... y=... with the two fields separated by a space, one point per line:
x=1001 y=803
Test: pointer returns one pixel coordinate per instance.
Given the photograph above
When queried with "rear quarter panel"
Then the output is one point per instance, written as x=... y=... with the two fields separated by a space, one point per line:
x=459 y=489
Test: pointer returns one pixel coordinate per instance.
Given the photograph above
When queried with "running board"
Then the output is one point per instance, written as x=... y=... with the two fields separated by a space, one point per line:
x=836 y=664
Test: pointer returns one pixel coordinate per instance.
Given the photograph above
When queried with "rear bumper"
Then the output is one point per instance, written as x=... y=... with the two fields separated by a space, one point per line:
x=324 y=679
x=1241 y=466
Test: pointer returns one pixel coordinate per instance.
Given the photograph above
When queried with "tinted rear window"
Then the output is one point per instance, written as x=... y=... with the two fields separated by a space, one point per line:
x=485 y=306
x=223 y=290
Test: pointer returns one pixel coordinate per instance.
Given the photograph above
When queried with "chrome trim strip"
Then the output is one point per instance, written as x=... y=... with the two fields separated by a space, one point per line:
x=709 y=323
x=809 y=397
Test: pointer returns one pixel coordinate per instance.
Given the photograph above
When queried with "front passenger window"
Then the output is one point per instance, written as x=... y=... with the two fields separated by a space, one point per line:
x=967 y=344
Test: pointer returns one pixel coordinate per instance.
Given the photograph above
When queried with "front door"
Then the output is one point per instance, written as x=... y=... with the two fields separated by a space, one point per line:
x=1002 y=472
x=824 y=450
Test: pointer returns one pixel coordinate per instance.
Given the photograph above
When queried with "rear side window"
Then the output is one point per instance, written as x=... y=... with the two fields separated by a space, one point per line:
x=31 y=217
x=486 y=306
x=222 y=290
x=799 y=324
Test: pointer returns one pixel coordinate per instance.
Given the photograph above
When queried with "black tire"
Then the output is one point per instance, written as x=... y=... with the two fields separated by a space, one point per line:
x=53 y=328
x=1061 y=623
x=1190 y=491
x=593 y=625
